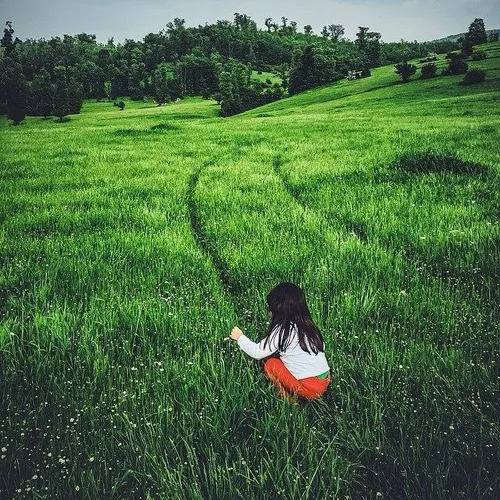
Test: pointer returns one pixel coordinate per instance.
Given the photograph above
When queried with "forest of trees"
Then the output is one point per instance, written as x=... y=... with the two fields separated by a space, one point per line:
x=53 y=77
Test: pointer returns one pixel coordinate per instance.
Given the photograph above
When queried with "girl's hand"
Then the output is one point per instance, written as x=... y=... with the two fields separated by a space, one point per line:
x=236 y=333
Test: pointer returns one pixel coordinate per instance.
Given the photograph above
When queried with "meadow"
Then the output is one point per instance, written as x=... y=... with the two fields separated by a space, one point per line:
x=132 y=241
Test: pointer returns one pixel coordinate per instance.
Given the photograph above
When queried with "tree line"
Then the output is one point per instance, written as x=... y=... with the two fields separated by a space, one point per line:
x=53 y=77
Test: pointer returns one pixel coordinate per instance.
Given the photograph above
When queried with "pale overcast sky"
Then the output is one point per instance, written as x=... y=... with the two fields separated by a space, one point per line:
x=395 y=19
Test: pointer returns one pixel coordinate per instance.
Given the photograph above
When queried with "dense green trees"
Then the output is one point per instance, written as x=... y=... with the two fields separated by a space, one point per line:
x=92 y=78
x=13 y=90
x=316 y=65
x=179 y=60
x=197 y=73
x=239 y=92
x=67 y=93
x=41 y=95
x=160 y=90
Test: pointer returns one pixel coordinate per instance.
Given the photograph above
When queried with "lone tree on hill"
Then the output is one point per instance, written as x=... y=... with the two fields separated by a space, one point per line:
x=475 y=36
x=477 y=32
x=405 y=69
x=7 y=40
x=160 y=85
x=308 y=30
x=456 y=66
x=367 y=44
x=333 y=31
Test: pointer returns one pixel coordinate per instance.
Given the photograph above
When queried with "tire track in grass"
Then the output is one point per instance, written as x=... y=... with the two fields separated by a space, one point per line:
x=278 y=161
x=207 y=247
x=233 y=288
x=413 y=163
x=350 y=229
x=271 y=252
x=354 y=228
x=401 y=169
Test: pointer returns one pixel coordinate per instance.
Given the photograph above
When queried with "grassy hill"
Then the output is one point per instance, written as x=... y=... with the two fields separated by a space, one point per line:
x=132 y=241
x=385 y=84
x=455 y=38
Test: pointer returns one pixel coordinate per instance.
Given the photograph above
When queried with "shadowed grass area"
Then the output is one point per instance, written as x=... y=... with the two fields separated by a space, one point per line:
x=429 y=162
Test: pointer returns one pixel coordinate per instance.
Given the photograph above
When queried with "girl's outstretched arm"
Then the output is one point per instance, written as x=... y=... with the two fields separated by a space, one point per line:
x=254 y=350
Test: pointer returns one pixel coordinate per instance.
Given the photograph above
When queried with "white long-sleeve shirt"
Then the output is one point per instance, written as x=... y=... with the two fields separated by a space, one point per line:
x=299 y=363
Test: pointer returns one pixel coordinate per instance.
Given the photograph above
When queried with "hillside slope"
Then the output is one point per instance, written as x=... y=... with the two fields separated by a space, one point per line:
x=386 y=84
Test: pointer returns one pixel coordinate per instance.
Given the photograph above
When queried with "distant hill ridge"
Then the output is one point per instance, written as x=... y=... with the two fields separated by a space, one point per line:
x=454 y=38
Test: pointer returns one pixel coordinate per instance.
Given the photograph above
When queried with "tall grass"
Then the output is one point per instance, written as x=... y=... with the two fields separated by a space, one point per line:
x=132 y=241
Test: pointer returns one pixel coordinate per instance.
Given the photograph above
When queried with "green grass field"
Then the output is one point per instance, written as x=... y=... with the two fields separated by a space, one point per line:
x=131 y=242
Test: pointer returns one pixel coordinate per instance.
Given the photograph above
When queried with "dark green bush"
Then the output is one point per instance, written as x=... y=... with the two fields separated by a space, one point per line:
x=474 y=76
x=428 y=71
x=405 y=70
x=456 y=66
x=164 y=126
x=478 y=55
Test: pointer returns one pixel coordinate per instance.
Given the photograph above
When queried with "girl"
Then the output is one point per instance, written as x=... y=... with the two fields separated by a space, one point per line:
x=301 y=368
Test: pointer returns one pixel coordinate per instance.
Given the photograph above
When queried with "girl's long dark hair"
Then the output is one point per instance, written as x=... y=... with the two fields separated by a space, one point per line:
x=287 y=304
